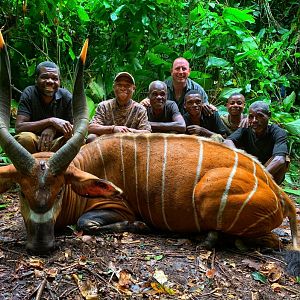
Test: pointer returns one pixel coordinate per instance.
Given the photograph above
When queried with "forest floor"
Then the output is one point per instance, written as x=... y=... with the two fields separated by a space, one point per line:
x=132 y=266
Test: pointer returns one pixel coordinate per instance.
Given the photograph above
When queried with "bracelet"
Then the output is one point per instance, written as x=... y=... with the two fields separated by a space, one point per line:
x=113 y=128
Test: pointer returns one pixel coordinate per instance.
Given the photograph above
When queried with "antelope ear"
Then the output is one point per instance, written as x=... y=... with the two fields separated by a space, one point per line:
x=8 y=175
x=90 y=186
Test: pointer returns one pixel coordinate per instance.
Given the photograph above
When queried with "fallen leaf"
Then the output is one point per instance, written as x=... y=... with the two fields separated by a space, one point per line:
x=274 y=275
x=82 y=260
x=125 y=279
x=36 y=263
x=191 y=257
x=38 y=273
x=276 y=287
x=205 y=255
x=160 y=277
x=87 y=288
x=162 y=289
x=210 y=273
x=259 y=277
x=51 y=273
x=272 y=271
x=68 y=254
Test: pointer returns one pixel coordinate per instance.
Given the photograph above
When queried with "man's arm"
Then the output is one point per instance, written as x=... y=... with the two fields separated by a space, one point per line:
x=198 y=130
x=178 y=125
x=229 y=143
x=23 y=123
x=100 y=129
x=275 y=164
x=280 y=150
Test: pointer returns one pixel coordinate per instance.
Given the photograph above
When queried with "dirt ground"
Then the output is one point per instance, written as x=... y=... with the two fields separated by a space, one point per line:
x=131 y=266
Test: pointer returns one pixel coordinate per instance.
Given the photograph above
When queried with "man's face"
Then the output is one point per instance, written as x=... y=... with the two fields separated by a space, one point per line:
x=235 y=105
x=180 y=71
x=157 y=96
x=123 y=89
x=193 y=104
x=48 y=81
x=258 y=120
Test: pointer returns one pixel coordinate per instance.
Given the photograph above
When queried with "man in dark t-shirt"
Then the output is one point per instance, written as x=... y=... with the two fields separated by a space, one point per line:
x=163 y=115
x=199 y=124
x=179 y=84
x=267 y=142
x=44 y=117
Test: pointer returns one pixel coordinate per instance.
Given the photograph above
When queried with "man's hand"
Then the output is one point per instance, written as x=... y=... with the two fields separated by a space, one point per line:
x=121 y=129
x=208 y=109
x=46 y=139
x=198 y=130
x=244 y=123
x=63 y=126
x=146 y=102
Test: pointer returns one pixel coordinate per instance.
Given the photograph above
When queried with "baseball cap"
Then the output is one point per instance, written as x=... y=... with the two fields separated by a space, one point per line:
x=125 y=74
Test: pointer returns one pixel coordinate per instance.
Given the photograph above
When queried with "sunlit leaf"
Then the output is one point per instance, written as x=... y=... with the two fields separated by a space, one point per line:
x=3 y=206
x=227 y=92
x=188 y=54
x=289 y=101
x=217 y=62
x=31 y=70
x=155 y=59
x=293 y=127
x=82 y=14
x=115 y=15
x=72 y=54
x=290 y=191
x=160 y=276
x=237 y=15
x=145 y=20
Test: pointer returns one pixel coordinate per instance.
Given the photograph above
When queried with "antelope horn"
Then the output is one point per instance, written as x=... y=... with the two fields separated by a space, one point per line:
x=63 y=157
x=20 y=157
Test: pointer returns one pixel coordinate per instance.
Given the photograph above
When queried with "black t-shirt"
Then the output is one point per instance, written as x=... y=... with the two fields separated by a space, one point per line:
x=170 y=111
x=274 y=142
x=31 y=105
x=212 y=122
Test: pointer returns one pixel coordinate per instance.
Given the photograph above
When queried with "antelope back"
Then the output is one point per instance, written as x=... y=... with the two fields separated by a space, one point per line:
x=159 y=174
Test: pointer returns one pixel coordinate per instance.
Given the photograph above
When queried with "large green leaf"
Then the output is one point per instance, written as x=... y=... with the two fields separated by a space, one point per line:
x=289 y=101
x=242 y=56
x=82 y=14
x=294 y=192
x=155 y=59
x=96 y=90
x=237 y=15
x=115 y=15
x=91 y=107
x=227 y=92
x=217 y=62
x=293 y=127
x=197 y=12
x=198 y=74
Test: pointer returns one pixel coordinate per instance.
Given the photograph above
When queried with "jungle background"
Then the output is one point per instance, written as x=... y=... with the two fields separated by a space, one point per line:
x=232 y=46
x=246 y=46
